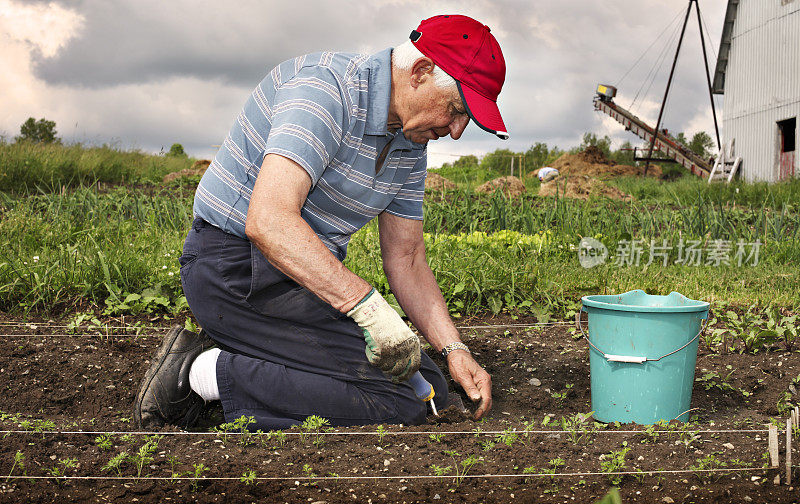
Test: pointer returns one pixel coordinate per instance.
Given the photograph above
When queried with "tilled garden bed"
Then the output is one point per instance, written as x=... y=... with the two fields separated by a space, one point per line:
x=535 y=446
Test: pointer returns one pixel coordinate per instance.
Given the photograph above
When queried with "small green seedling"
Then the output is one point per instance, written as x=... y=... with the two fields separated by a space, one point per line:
x=314 y=426
x=248 y=476
x=381 y=430
x=104 y=442
x=441 y=471
x=116 y=463
x=19 y=462
x=614 y=462
x=462 y=467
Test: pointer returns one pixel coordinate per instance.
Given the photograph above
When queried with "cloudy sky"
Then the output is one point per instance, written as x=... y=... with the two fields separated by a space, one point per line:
x=147 y=73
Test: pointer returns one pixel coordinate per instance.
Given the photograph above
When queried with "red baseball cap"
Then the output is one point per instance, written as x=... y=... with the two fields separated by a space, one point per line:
x=464 y=48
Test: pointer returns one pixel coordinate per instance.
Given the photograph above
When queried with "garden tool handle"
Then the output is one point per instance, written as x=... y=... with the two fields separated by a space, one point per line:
x=422 y=388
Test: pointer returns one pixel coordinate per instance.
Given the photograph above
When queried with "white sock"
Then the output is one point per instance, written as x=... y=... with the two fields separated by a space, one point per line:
x=203 y=375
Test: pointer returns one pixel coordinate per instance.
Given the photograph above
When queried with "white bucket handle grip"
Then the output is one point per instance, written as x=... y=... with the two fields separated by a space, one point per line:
x=632 y=358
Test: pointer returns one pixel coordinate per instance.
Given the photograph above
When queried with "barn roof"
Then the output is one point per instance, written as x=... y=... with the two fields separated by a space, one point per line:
x=725 y=47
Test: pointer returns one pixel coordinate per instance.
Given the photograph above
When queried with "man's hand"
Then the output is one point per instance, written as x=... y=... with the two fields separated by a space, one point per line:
x=391 y=345
x=473 y=378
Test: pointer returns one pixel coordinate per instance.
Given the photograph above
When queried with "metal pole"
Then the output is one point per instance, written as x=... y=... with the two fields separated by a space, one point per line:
x=708 y=74
x=669 y=83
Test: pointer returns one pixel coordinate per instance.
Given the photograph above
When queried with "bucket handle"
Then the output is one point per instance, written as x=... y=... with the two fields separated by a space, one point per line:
x=632 y=358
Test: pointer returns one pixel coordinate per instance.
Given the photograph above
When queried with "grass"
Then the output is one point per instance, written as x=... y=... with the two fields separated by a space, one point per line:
x=29 y=167
x=117 y=249
x=82 y=248
x=688 y=189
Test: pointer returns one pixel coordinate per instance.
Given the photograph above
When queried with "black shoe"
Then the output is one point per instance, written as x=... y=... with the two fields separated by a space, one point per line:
x=165 y=396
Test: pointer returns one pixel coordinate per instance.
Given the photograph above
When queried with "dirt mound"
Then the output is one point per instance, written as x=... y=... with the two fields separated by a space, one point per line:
x=511 y=186
x=593 y=162
x=582 y=175
x=435 y=182
x=198 y=168
x=581 y=187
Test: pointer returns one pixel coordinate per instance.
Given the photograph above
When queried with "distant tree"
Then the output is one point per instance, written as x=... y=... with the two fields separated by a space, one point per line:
x=498 y=161
x=536 y=156
x=624 y=155
x=604 y=144
x=467 y=162
x=176 y=150
x=701 y=144
x=41 y=131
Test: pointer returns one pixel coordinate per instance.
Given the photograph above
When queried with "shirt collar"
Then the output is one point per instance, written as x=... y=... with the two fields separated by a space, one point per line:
x=378 y=95
x=380 y=88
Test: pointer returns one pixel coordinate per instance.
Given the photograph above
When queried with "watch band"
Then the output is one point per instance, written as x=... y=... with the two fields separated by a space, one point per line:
x=454 y=346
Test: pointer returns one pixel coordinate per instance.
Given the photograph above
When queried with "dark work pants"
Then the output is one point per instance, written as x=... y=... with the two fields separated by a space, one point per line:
x=286 y=354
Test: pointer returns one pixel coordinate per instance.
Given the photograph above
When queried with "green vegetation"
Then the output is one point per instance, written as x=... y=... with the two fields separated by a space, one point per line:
x=41 y=131
x=314 y=426
x=115 y=251
x=613 y=463
x=30 y=167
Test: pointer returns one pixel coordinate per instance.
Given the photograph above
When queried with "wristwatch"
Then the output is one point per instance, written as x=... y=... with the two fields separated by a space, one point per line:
x=454 y=346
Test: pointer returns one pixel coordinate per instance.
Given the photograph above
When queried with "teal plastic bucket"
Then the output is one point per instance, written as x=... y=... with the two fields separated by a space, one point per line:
x=642 y=355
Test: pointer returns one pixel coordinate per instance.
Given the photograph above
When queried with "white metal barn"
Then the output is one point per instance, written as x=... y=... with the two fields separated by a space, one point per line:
x=758 y=71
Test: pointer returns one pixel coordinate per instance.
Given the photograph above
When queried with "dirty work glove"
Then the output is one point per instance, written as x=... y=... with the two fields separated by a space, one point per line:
x=391 y=345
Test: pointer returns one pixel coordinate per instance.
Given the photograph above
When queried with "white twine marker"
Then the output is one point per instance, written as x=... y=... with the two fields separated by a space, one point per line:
x=788 y=452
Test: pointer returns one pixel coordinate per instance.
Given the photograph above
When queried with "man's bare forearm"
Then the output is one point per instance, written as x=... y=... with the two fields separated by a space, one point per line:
x=275 y=226
x=415 y=288
x=298 y=252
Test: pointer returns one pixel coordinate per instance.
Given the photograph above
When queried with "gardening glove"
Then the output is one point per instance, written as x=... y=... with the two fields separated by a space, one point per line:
x=391 y=345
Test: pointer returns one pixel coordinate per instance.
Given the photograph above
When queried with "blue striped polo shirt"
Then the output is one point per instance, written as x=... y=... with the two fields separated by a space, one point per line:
x=327 y=112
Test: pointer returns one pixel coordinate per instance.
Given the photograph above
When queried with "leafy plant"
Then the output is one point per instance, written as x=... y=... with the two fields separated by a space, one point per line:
x=116 y=463
x=561 y=396
x=435 y=438
x=554 y=464
x=278 y=436
x=381 y=430
x=314 y=426
x=463 y=466
x=248 y=477
x=577 y=426
x=508 y=437
x=653 y=431
x=144 y=455
x=614 y=462
x=441 y=471
x=19 y=462
x=708 y=467
x=785 y=401
x=58 y=471
x=197 y=474
x=104 y=442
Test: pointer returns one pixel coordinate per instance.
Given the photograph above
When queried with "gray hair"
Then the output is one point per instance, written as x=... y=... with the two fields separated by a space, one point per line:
x=404 y=56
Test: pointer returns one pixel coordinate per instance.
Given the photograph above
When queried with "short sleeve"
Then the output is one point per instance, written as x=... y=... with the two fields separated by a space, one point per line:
x=408 y=202
x=308 y=120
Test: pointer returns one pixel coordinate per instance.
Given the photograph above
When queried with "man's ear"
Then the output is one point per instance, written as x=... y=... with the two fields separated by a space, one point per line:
x=422 y=69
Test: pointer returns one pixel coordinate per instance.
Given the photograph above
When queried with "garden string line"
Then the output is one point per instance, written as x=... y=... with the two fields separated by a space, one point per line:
x=388 y=477
x=144 y=333
x=376 y=433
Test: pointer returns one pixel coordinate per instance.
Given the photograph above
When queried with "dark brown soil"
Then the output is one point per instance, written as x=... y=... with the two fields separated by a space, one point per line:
x=85 y=382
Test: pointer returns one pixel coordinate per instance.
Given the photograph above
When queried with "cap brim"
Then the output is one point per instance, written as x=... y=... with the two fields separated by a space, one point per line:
x=483 y=111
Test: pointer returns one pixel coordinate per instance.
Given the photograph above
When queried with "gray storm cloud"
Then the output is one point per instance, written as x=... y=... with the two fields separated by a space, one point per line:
x=149 y=73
